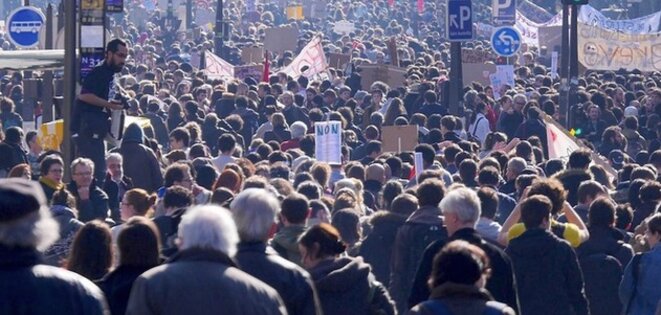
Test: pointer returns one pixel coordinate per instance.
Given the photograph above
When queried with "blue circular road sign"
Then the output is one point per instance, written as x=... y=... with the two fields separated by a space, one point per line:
x=23 y=26
x=506 y=41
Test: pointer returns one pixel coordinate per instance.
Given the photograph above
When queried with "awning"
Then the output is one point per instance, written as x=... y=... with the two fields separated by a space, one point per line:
x=32 y=59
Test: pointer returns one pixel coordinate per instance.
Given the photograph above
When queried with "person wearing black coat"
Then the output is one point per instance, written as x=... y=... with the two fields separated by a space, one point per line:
x=91 y=200
x=254 y=211
x=28 y=286
x=501 y=284
x=533 y=126
x=157 y=122
x=11 y=152
x=140 y=162
x=112 y=189
x=376 y=249
x=548 y=276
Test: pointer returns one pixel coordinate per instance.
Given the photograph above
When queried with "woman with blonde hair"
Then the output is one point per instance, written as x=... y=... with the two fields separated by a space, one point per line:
x=136 y=202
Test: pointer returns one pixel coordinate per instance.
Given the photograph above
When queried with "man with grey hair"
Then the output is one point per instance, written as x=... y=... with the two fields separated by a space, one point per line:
x=116 y=183
x=461 y=210
x=254 y=211
x=28 y=286
x=515 y=167
x=91 y=200
x=298 y=131
x=202 y=278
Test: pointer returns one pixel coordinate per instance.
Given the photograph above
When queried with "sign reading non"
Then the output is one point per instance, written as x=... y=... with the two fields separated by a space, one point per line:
x=506 y=41
x=459 y=22
x=328 y=142
x=504 y=12
x=24 y=25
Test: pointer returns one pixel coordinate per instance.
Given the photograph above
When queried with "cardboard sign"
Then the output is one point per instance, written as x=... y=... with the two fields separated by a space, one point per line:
x=252 y=54
x=393 y=76
x=399 y=138
x=551 y=37
x=328 y=142
x=253 y=71
x=295 y=13
x=477 y=72
x=343 y=27
x=279 y=39
x=338 y=61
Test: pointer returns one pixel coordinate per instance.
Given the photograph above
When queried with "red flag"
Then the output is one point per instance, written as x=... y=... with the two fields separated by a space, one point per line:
x=421 y=6
x=391 y=3
x=267 y=66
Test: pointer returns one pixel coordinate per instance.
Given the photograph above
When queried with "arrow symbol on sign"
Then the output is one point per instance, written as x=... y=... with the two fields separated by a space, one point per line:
x=507 y=39
x=453 y=20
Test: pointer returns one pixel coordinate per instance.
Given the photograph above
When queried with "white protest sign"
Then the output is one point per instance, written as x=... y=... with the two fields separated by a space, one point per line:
x=343 y=27
x=560 y=145
x=419 y=167
x=328 y=142
x=504 y=76
x=642 y=25
x=554 y=64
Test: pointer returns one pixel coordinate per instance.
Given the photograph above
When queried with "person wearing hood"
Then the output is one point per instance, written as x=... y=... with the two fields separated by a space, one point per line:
x=533 y=126
x=603 y=258
x=345 y=285
x=11 y=152
x=63 y=209
x=293 y=216
x=140 y=163
x=546 y=268
x=576 y=173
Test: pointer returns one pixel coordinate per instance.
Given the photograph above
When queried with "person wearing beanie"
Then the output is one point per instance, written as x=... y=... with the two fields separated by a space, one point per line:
x=11 y=152
x=298 y=131
x=28 y=286
x=140 y=162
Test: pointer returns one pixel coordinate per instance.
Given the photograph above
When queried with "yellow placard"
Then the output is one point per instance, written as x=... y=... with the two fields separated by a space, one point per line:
x=295 y=12
x=51 y=134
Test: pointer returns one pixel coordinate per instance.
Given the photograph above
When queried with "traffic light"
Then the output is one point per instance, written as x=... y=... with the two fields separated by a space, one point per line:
x=577 y=2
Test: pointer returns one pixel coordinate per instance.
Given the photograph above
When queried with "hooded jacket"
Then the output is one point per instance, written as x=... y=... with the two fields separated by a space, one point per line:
x=345 y=285
x=285 y=242
x=376 y=249
x=462 y=299
x=549 y=278
x=140 y=163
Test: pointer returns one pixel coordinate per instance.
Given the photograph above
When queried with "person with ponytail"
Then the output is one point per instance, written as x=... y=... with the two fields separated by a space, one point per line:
x=136 y=202
x=345 y=285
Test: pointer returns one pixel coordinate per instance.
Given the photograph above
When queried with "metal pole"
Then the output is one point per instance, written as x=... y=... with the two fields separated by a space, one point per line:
x=218 y=29
x=49 y=27
x=456 y=78
x=189 y=14
x=70 y=80
x=564 y=69
x=573 y=64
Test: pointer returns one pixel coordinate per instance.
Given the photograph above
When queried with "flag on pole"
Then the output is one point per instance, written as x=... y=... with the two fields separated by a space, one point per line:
x=391 y=3
x=560 y=144
x=421 y=6
x=216 y=67
x=267 y=66
x=311 y=57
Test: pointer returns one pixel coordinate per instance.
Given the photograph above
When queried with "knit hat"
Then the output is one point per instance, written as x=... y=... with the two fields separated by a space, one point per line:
x=631 y=111
x=133 y=133
x=19 y=197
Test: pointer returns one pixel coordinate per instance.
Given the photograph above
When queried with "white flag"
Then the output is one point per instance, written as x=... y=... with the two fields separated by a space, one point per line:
x=311 y=56
x=216 y=67
x=560 y=144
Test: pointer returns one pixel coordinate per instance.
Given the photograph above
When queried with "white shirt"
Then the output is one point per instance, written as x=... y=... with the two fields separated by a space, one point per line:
x=221 y=160
x=482 y=129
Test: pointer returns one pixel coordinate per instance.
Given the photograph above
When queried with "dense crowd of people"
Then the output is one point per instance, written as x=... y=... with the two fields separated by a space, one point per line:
x=219 y=205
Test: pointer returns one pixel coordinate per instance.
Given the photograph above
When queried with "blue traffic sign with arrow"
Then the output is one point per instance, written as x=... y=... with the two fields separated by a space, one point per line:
x=506 y=41
x=23 y=26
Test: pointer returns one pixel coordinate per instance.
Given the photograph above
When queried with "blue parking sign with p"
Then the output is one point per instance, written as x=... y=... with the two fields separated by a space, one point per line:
x=459 y=22
x=23 y=26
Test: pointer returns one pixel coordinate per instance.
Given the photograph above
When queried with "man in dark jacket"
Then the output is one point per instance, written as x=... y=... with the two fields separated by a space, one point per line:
x=549 y=278
x=577 y=172
x=254 y=211
x=249 y=116
x=603 y=258
x=533 y=126
x=28 y=286
x=291 y=111
x=140 y=163
x=91 y=200
x=116 y=184
x=422 y=228
x=208 y=239
x=11 y=153
x=461 y=209
x=157 y=122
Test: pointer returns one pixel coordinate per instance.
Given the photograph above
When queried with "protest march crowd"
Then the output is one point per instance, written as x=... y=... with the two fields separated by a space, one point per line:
x=287 y=181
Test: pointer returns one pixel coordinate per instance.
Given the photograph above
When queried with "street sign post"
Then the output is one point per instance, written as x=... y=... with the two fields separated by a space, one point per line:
x=459 y=24
x=506 y=41
x=23 y=26
x=504 y=12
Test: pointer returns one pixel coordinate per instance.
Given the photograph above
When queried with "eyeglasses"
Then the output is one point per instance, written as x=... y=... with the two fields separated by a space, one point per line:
x=56 y=171
x=83 y=174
